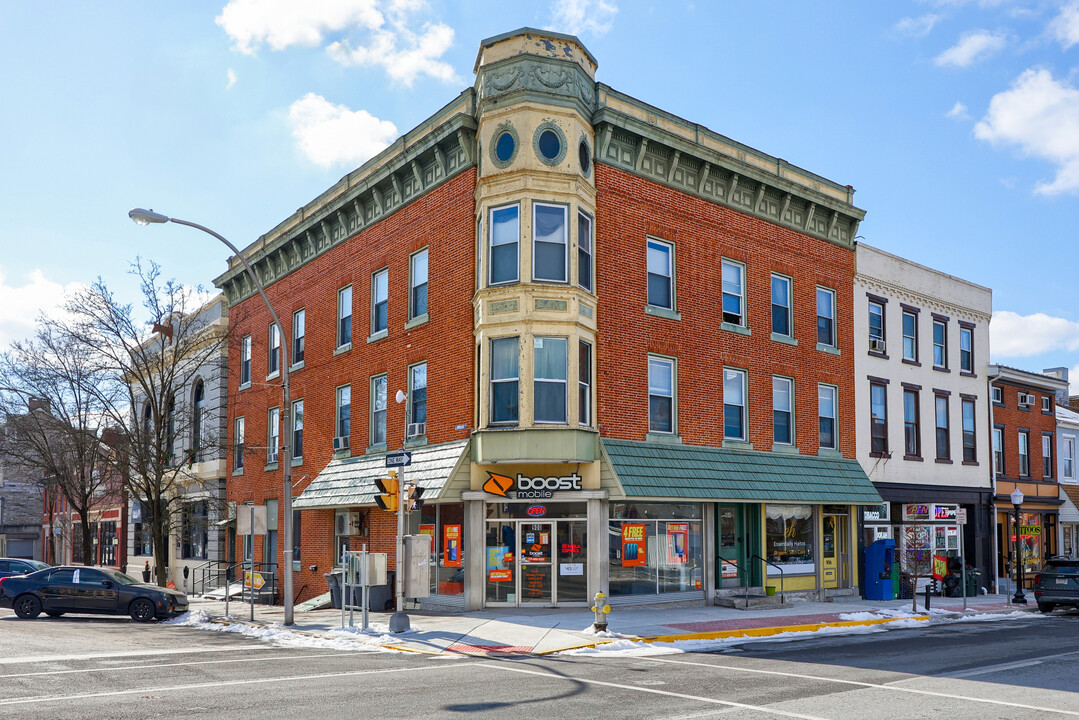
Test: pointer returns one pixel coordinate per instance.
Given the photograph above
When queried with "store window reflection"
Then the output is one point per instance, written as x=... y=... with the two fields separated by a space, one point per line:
x=655 y=548
x=788 y=538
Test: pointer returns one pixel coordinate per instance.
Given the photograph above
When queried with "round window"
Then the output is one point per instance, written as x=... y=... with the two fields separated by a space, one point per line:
x=504 y=147
x=585 y=157
x=550 y=145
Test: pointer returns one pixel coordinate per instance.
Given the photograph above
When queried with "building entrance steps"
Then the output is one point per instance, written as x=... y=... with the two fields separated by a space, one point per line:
x=544 y=630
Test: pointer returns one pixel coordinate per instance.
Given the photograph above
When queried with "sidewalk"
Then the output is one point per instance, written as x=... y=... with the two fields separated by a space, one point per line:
x=543 y=631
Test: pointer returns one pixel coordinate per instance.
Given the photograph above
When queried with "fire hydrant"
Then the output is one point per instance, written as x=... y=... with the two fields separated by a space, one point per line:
x=601 y=609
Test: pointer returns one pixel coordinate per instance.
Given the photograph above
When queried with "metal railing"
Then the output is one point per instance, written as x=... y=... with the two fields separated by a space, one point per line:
x=782 y=582
x=266 y=595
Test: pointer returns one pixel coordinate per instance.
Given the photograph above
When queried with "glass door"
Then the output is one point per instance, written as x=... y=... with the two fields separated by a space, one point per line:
x=536 y=577
x=572 y=562
x=830 y=551
x=500 y=573
x=731 y=556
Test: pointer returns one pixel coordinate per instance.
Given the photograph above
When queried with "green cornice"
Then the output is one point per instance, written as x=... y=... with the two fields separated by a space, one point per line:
x=417 y=162
x=688 y=157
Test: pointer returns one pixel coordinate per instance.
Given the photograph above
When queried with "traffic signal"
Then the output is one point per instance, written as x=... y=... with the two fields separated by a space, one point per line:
x=414 y=501
x=390 y=490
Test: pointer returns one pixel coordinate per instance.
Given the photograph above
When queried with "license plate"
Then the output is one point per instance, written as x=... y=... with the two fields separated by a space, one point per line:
x=1062 y=581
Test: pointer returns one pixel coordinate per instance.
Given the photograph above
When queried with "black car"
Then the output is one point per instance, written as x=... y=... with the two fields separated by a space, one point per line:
x=1057 y=584
x=18 y=566
x=67 y=589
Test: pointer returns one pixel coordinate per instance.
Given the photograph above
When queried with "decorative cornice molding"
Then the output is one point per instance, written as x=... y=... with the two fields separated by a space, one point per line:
x=922 y=302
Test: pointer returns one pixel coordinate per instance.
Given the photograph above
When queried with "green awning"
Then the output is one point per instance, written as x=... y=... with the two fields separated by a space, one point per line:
x=349 y=482
x=689 y=472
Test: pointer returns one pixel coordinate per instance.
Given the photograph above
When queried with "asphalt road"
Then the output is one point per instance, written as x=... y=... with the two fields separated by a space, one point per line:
x=114 y=668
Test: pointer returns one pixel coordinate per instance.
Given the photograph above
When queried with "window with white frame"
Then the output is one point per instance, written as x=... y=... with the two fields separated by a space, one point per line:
x=782 y=410
x=584 y=383
x=299 y=331
x=198 y=410
x=781 y=305
x=734 y=404
x=966 y=348
x=970 y=437
x=344 y=316
x=584 y=251
x=1047 y=456
x=940 y=343
x=505 y=238
x=380 y=301
x=273 y=362
x=876 y=326
x=998 y=450
x=910 y=335
x=550 y=365
x=245 y=360
x=550 y=260
x=826 y=416
x=1024 y=453
x=660 y=274
x=734 y=293
x=1067 y=454
x=1047 y=404
x=417 y=282
x=944 y=451
x=238 y=443
x=297 y=429
x=273 y=435
x=998 y=395
x=378 y=410
x=826 y=316
x=505 y=378
x=417 y=398
x=878 y=417
x=912 y=438
x=344 y=411
x=660 y=394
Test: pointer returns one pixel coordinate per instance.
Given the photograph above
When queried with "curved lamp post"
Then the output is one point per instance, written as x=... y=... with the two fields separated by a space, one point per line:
x=1020 y=597
x=146 y=217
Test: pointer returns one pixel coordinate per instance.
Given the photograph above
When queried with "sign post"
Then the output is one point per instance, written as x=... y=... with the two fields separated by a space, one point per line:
x=401 y=460
x=961 y=519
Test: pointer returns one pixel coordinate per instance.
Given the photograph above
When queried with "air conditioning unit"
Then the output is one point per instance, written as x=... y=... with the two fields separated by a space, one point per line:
x=348 y=523
x=877 y=344
x=1026 y=399
x=416 y=430
x=340 y=443
x=271 y=457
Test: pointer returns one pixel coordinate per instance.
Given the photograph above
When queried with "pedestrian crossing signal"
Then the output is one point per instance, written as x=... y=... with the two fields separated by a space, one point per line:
x=390 y=492
x=414 y=501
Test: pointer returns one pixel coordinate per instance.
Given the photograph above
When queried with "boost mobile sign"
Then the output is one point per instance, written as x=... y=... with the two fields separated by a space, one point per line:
x=530 y=487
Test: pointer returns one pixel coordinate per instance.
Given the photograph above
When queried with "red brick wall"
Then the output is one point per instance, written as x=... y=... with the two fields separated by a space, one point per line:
x=442 y=220
x=1013 y=417
x=628 y=209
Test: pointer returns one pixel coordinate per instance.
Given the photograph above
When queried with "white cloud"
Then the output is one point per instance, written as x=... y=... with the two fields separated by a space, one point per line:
x=1065 y=26
x=21 y=305
x=1039 y=116
x=917 y=26
x=231 y=79
x=577 y=17
x=358 y=32
x=958 y=112
x=972 y=47
x=1013 y=335
x=330 y=134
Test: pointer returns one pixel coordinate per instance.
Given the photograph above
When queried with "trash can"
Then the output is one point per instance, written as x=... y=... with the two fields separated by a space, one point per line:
x=973 y=581
x=333 y=579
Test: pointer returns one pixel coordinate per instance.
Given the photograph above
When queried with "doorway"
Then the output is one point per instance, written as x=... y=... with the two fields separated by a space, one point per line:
x=731 y=559
x=835 y=550
x=536 y=563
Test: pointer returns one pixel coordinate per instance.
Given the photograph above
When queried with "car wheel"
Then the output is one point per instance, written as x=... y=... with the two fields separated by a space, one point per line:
x=1046 y=607
x=27 y=607
x=142 y=610
x=53 y=613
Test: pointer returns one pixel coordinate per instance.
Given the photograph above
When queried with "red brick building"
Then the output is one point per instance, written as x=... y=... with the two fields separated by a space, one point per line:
x=624 y=345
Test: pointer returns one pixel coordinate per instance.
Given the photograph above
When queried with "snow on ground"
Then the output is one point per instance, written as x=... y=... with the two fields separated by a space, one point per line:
x=374 y=640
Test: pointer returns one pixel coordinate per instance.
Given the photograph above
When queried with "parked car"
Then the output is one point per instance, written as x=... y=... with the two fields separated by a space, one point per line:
x=18 y=566
x=1057 y=584
x=68 y=589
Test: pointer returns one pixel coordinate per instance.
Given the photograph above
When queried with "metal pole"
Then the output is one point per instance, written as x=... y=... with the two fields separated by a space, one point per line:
x=344 y=577
x=365 y=582
x=399 y=620
x=286 y=412
x=963 y=564
x=252 y=562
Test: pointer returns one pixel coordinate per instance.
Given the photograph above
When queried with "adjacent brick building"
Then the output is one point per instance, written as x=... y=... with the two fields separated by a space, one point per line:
x=624 y=345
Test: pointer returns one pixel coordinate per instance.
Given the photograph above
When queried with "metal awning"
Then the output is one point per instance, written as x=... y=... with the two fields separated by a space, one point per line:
x=656 y=470
x=349 y=482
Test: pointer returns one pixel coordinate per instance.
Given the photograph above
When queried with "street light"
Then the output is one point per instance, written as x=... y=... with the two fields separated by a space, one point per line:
x=146 y=217
x=1020 y=597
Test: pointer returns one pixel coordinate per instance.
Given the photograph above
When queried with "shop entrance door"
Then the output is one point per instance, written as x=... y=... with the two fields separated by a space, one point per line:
x=835 y=553
x=536 y=562
x=731 y=560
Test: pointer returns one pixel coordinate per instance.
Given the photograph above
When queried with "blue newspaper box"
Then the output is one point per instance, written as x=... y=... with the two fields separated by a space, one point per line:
x=879 y=558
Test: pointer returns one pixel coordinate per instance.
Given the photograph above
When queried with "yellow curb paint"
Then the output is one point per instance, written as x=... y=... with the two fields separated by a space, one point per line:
x=775 y=630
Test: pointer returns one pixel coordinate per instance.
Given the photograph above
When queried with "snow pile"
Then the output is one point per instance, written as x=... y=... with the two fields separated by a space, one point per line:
x=373 y=640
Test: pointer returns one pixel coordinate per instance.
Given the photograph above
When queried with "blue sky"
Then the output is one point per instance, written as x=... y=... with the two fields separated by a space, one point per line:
x=957 y=121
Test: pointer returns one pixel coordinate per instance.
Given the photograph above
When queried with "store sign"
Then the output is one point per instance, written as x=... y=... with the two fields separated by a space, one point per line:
x=1030 y=530
x=536 y=511
x=876 y=513
x=916 y=511
x=571 y=548
x=634 y=544
x=527 y=487
x=946 y=513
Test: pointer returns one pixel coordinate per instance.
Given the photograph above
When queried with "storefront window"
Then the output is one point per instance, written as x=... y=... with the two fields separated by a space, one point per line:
x=446 y=526
x=1030 y=540
x=788 y=540
x=655 y=548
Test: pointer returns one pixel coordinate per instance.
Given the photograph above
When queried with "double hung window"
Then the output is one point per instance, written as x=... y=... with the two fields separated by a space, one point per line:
x=504 y=380
x=417 y=293
x=273 y=363
x=344 y=316
x=783 y=410
x=299 y=330
x=417 y=393
x=273 y=435
x=584 y=251
x=549 y=242
x=1047 y=456
x=245 y=360
x=876 y=326
x=998 y=450
x=966 y=349
x=826 y=416
x=297 y=429
x=380 y=301
x=734 y=293
x=944 y=451
x=878 y=431
x=344 y=411
x=910 y=336
x=970 y=438
x=781 y=305
x=911 y=433
x=734 y=404
x=826 y=317
x=660 y=274
x=1024 y=453
x=378 y=410
x=505 y=237
x=660 y=395
x=550 y=365
x=238 y=443
x=584 y=383
x=1068 y=457
x=940 y=344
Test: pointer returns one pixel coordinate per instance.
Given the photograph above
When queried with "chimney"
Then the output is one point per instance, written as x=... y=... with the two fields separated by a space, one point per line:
x=1060 y=373
x=38 y=403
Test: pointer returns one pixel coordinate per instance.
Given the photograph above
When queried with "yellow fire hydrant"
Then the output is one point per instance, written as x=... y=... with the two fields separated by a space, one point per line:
x=601 y=609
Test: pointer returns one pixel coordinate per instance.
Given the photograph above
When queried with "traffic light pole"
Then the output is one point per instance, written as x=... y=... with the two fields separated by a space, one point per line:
x=399 y=620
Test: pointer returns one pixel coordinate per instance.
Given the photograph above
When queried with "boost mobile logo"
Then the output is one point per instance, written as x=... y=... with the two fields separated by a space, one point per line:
x=497 y=484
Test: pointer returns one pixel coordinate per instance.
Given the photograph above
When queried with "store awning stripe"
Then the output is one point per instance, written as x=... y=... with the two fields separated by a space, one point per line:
x=349 y=482
x=655 y=470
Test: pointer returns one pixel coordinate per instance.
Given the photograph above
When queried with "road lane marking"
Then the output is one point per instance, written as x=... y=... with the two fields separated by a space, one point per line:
x=132 y=653
x=654 y=691
x=986 y=669
x=884 y=686
x=214 y=684
x=111 y=668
